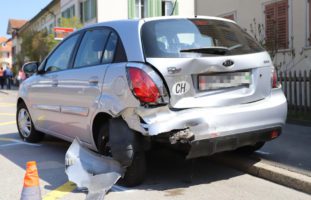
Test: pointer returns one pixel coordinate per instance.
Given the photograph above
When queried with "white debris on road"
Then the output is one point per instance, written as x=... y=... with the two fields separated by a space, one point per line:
x=89 y=170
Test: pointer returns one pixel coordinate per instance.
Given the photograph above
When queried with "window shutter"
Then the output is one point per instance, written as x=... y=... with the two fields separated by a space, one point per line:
x=176 y=11
x=131 y=9
x=276 y=15
x=158 y=7
x=309 y=36
x=154 y=8
x=282 y=24
x=270 y=11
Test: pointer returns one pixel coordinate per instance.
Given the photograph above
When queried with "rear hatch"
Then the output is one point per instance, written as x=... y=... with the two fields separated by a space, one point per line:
x=207 y=62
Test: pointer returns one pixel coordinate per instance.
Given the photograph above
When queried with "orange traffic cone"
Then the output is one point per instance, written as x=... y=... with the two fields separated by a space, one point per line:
x=31 y=189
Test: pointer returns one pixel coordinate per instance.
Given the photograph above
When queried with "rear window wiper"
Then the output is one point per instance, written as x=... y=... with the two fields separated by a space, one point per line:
x=220 y=50
x=207 y=50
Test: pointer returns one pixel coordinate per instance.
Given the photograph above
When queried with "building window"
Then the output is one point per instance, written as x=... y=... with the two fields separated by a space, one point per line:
x=140 y=8
x=87 y=10
x=51 y=26
x=59 y=21
x=154 y=8
x=69 y=12
x=13 y=52
x=167 y=8
x=5 y=55
x=276 y=21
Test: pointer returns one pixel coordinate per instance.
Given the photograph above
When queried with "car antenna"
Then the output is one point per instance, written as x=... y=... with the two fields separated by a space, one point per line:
x=174 y=8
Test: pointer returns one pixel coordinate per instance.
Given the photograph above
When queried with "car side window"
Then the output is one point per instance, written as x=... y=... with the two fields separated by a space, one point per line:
x=110 y=48
x=91 y=49
x=60 y=58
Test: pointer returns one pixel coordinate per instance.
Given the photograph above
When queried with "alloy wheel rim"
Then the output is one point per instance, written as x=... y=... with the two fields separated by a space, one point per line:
x=24 y=122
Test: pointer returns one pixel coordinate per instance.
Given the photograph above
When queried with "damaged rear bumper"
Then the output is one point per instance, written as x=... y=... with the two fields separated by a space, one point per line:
x=206 y=124
x=230 y=142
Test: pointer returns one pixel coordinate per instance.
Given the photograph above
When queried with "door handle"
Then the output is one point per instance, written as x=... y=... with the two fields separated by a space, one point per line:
x=93 y=80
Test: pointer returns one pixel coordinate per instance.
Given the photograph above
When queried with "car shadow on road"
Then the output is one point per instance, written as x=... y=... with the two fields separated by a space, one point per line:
x=167 y=170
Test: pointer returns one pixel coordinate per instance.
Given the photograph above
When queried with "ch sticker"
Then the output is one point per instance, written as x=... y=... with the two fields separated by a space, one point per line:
x=181 y=88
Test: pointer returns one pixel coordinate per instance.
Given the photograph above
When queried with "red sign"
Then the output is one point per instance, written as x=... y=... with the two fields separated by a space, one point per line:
x=61 y=33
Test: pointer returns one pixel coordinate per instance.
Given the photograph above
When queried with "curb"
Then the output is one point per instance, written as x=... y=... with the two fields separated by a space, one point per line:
x=9 y=92
x=272 y=173
x=4 y=92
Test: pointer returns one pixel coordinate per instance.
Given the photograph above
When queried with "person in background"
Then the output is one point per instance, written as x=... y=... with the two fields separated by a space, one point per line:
x=1 y=77
x=8 y=74
x=21 y=76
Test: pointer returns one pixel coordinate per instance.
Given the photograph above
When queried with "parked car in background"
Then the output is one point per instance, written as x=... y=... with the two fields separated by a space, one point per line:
x=199 y=84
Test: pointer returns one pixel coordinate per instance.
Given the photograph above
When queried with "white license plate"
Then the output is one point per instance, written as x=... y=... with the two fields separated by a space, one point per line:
x=224 y=80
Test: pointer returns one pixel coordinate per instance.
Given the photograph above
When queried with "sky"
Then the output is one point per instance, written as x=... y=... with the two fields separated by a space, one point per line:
x=18 y=9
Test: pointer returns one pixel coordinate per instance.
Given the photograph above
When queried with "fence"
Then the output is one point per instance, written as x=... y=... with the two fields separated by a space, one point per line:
x=297 y=88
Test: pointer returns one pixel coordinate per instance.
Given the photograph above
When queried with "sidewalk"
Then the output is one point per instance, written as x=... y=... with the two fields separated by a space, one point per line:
x=291 y=151
x=12 y=91
x=285 y=161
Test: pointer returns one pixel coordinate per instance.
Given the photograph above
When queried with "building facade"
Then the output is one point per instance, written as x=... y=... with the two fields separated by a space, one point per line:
x=284 y=26
x=93 y=11
x=14 y=26
x=46 y=19
x=5 y=53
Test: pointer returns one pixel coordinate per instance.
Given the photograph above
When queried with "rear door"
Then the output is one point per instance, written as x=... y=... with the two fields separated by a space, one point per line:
x=207 y=62
x=79 y=88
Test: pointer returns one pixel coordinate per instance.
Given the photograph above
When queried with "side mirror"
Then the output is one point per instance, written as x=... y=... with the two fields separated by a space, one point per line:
x=30 y=68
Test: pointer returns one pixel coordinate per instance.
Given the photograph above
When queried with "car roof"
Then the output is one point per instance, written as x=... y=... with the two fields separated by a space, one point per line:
x=143 y=20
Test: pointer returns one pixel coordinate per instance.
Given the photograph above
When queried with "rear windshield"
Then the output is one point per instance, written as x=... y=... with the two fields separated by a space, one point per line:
x=176 y=38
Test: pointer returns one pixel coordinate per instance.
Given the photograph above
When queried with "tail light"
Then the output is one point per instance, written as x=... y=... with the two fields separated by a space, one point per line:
x=274 y=79
x=275 y=134
x=143 y=87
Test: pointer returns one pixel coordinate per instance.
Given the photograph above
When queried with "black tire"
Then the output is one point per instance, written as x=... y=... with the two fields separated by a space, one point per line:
x=31 y=135
x=136 y=172
x=250 y=149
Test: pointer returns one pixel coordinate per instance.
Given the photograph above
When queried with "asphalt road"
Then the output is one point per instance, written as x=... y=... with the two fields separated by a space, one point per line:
x=169 y=176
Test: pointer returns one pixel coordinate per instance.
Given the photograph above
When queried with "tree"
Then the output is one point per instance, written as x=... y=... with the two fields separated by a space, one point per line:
x=257 y=30
x=36 y=45
x=73 y=22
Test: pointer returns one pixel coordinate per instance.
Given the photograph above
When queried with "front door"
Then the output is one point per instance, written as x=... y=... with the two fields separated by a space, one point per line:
x=44 y=97
x=79 y=88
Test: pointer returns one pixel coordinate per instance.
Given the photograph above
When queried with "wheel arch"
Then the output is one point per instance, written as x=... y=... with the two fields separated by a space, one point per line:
x=99 y=119
x=20 y=100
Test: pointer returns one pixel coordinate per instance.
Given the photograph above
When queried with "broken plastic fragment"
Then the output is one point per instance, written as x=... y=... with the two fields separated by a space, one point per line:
x=89 y=170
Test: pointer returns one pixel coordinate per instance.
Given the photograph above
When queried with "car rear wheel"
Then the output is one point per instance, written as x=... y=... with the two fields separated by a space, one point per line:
x=25 y=125
x=135 y=173
x=251 y=148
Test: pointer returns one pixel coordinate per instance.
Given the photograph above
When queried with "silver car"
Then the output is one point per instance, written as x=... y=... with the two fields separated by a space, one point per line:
x=201 y=85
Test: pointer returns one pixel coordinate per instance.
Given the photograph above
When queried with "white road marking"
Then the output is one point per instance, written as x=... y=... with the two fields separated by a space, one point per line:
x=15 y=142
